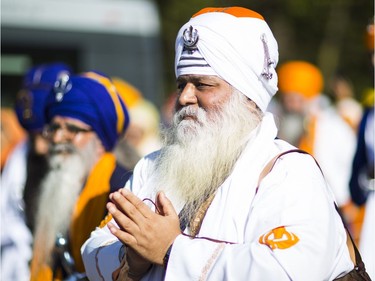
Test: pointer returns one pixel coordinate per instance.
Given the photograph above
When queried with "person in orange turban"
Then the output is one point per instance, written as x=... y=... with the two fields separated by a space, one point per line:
x=316 y=126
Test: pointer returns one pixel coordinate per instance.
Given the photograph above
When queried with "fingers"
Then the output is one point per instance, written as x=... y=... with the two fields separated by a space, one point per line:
x=129 y=208
x=165 y=205
x=137 y=205
x=148 y=233
x=122 y=235
x=130 y=213
x=121 y=219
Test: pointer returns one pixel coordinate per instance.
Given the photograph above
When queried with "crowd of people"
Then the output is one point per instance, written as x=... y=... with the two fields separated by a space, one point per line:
x=94 y=187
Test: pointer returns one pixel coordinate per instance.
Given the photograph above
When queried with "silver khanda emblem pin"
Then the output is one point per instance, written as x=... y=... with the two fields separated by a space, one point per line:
x=190 y=37
x=266 y=73
x=62 y=86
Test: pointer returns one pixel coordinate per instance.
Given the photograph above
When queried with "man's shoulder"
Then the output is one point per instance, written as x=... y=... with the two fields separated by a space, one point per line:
x=122 y=174
x=148 y=160
x=119 y=177
x=297 y=164
x=152 y=156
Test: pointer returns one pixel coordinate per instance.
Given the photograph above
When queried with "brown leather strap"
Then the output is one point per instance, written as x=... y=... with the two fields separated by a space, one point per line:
x=268 y=168
x=353 y=250
x=196 y=222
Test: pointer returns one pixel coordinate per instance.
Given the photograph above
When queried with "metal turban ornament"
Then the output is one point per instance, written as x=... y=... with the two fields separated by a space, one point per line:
x=190 y=37
x=62 y=86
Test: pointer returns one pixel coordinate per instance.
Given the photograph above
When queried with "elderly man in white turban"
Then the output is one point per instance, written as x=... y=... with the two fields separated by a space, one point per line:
x=203 y=207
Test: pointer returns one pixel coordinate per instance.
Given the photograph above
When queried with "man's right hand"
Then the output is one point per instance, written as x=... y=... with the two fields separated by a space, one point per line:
x=148 y=233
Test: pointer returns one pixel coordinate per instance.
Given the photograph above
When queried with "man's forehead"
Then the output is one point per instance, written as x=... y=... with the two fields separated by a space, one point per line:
x=70 y=120
x=194 y=77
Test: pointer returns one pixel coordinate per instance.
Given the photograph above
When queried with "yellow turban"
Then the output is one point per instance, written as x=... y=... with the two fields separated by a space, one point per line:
x=129 y=94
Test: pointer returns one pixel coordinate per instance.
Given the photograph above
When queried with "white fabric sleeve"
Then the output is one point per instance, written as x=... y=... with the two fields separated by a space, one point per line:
x=290 y=198
x=100 y=254
x=220 y=261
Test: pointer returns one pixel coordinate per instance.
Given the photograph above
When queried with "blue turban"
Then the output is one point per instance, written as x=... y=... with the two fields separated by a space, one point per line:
x=92 y=99
x=30 y=100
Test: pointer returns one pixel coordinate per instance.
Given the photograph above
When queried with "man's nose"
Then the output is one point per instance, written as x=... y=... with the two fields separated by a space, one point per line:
x=188 y=95
x=60 y=136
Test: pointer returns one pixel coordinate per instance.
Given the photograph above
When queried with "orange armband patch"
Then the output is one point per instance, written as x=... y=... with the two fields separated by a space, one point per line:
x=278 y=238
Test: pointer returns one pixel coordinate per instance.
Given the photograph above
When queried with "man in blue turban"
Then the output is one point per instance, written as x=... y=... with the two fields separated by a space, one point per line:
x=24 y=169
x=29 y=107
x=86 y=117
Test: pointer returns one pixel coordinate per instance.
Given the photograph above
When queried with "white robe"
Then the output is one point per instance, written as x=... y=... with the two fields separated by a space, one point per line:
x=293 y=195
x=334 y=147
x=15 y=236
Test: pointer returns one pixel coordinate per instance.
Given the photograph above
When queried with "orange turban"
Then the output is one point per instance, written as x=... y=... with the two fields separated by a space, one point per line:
x=130 y=95
x=11 y=133
x=300 y=77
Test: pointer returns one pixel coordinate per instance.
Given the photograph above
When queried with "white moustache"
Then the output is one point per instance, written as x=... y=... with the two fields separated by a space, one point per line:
x=62 y=148
x=196 y=114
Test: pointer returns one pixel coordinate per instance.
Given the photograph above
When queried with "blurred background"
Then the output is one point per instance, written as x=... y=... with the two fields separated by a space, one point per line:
x=134 y=39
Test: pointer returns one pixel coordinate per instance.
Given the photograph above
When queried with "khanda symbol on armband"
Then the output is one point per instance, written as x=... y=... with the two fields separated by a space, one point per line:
x=190 y=37
x=279 y=238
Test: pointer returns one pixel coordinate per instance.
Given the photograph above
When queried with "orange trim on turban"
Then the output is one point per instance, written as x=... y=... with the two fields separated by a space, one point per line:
x=111 y=89
x=129 y=94
x=234 y=11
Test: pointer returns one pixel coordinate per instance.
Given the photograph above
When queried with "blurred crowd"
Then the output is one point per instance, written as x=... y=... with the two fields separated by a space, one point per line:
x=73 y=138
x=70 y=140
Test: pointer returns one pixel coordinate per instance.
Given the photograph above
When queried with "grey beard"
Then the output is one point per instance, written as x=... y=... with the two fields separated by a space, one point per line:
x=60 y=189
x=200 y=155
x=59 y=192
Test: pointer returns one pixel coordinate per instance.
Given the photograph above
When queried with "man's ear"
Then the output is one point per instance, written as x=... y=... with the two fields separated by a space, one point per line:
x=99 y=147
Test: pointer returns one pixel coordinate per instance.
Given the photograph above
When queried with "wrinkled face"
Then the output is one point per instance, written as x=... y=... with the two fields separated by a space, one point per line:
x=294 y=103
x=65 y=130
x=210 y=115
x=202 y=91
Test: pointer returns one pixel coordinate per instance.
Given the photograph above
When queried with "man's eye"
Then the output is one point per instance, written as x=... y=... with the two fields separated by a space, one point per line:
x=72 y=128
x=202 y=85
x=181 y=87
x=54 y=127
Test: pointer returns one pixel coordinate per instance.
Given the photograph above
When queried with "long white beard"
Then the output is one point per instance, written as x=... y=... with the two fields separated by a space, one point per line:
x=199 y=155
x=59 y=192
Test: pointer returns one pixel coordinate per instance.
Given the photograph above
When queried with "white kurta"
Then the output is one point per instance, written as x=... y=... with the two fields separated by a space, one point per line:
x=15 y=236
x=294 y=195
x=334 y=147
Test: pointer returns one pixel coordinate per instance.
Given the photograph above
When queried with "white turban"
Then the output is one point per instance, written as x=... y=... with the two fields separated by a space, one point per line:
x=237 y=44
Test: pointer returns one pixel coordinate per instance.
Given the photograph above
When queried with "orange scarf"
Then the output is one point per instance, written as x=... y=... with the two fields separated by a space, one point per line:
x=87 y=214
x=308 y=138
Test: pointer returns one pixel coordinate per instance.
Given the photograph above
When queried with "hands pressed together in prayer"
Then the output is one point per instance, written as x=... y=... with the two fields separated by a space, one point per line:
x=147 y=234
